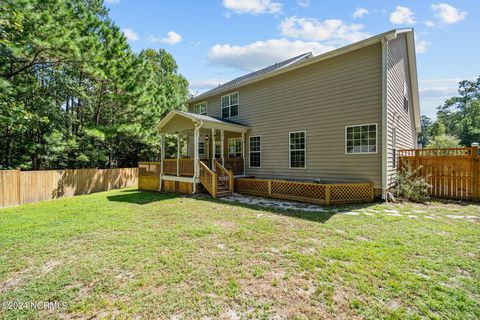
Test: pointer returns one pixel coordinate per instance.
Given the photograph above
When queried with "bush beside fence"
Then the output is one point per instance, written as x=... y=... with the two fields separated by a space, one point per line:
x=19 y=187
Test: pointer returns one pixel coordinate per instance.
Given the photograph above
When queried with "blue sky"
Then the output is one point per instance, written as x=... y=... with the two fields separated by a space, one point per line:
x=215 y=41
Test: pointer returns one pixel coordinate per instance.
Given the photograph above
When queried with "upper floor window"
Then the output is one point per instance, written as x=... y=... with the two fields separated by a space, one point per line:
x=234 y=147
x=406 y=106
x=361 y=139
x=297 y=149
x=230 y=105
x=255 y=152
x=200 y=108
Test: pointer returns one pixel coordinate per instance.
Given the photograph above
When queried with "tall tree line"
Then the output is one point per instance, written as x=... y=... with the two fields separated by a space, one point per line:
x=458 y=119
x=73 y=94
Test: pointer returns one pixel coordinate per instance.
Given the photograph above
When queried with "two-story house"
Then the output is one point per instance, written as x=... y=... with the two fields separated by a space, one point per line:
x=335 y=117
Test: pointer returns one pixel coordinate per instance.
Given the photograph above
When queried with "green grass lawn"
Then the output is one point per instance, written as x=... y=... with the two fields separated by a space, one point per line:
x=127 y=253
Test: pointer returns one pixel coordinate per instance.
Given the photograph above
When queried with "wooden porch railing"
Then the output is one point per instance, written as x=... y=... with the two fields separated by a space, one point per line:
x=208 y=179
x=185 y=166
x=234 y=164
x=170 y=167
x=224 y=176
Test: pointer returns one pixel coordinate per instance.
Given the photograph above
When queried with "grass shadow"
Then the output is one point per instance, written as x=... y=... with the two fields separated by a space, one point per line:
x=141 y=197
x=323 y=214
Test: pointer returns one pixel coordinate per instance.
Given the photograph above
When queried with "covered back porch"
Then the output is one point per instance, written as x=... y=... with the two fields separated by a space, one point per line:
x=208 y=151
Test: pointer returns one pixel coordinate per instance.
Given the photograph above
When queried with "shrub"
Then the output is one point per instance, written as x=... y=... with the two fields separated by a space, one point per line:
x=410 y=186
x=444 y=141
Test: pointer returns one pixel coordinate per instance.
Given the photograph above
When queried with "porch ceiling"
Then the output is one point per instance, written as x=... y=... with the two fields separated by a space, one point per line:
x=176 y=121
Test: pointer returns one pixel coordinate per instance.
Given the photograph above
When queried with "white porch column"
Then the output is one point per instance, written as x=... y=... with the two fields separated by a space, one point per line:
x=162 y=157
x=196 y=167
x=178 y=154
x=243 y=151
x=222 y=147
x=214 y=149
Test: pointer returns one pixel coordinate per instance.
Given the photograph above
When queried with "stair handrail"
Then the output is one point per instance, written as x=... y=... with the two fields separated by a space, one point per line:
x=223 y=172
x=208 y=178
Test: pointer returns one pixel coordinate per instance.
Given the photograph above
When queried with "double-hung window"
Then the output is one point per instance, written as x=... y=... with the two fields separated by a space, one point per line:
x=230 y=105
x=255 y=152
x=200 y=108
x=234 y=147
x=297 y=146
x=361 y=139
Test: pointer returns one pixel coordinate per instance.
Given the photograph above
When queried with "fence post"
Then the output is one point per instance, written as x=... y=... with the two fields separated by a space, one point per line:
x=231 y=181
x=475 y=172
x=214 y=184
x=270 y=188
x=19 y=191
x=327 y=194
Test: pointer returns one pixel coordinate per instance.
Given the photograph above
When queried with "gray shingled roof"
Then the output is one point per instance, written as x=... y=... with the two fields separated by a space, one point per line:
x=257 y=74
x=210 y=118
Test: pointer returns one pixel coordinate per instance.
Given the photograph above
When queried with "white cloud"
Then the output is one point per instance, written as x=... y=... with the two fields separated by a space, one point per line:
x=359 y=12
x=112 y=1
x=171 y=39
x=253 y=6
x=333 y=31
x=130 y=34
x=303 y=3
x=402 y=15
x=429 y=24
x=262 y=53
x=421 y=46
x=447 y=13
x=442 y=88
x=206 y=84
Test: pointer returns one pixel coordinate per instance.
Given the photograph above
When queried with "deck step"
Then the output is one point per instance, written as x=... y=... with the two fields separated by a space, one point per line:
x=225 y=193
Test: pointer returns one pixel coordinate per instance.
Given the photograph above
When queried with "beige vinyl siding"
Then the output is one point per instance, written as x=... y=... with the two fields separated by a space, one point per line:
x=397 y=75
x=321 y=99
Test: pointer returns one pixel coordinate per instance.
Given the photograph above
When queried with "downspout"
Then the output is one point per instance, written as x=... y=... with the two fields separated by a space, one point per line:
x=196 y=167
x=384 y=118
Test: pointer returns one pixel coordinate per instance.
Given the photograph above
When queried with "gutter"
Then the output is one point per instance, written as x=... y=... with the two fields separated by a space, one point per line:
x=384 y=42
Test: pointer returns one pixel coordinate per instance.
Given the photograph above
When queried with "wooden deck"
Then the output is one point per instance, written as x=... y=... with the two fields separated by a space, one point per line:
x=149 y=179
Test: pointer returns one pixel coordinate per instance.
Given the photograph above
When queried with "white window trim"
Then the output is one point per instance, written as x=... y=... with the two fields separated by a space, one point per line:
x=290 y=151
x=249 y=151
x=359 y=125
x=228 y=146
x=198 y=104
x=229 y=110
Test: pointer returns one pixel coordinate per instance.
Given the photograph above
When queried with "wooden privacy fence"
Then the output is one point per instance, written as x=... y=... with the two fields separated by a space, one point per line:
x=19 y=187
x=307 y=192
x=452 y=173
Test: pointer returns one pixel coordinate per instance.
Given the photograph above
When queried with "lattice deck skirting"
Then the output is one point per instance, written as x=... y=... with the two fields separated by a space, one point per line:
x=307 y=192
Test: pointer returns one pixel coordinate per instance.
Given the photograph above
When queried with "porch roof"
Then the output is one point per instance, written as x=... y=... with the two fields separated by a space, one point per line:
x=176 y=121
